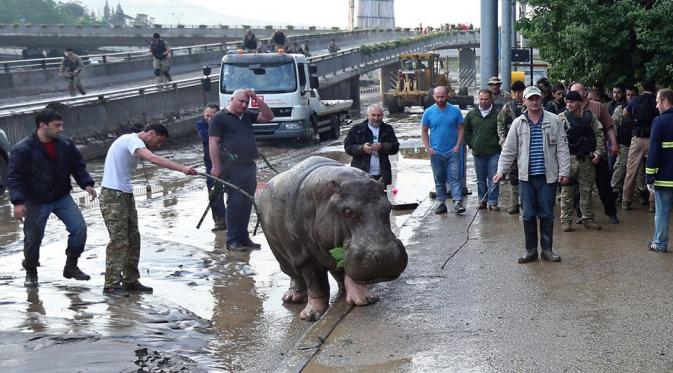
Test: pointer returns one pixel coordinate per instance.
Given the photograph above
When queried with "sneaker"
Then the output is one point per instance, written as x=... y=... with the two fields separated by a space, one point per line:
x=493 y=208
x=482 y=205
x=513 y=210
x=458 y=207
x=591 y=224
x=441 y=208
x=31 y=278
x=566 y=226
x=137 y=287
x=613 y=219
x=653 y=247
x=115 y=291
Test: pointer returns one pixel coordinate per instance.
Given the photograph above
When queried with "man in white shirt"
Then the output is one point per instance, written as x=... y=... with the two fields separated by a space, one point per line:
x=118 y=206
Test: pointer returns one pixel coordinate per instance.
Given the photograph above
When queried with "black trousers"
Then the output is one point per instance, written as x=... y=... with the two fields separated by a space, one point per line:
x=607 y=196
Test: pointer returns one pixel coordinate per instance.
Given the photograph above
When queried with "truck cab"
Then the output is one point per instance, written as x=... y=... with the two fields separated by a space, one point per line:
x=289 y=85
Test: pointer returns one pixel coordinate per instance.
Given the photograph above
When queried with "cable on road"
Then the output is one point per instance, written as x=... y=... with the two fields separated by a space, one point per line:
x=467 y=229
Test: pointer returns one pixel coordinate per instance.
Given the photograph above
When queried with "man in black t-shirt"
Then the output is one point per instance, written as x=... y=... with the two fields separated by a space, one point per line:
x=233 y=151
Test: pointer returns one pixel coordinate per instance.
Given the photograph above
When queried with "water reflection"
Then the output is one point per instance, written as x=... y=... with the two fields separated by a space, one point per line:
x=415 y=153
x=34 y=311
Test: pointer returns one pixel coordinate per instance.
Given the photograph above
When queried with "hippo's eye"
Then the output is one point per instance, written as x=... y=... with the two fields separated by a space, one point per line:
x=348 y=212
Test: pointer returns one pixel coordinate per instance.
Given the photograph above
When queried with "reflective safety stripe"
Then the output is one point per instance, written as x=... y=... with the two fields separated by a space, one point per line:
x=651 y=171
x=663 y=183
x=667 y=144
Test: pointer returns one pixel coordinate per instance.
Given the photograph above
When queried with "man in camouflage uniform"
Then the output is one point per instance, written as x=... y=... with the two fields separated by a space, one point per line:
x=118 y=206
x=585 y=142
x=71 y=67
x=512 y=109
x=161 y=59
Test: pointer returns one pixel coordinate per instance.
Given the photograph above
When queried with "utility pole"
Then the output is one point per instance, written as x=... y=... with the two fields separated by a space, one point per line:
x=488 y=41
x=351 y=15
x=506 y=44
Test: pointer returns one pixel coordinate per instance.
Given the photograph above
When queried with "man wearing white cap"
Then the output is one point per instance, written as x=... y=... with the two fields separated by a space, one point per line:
x=537 y=142
x=500 y=97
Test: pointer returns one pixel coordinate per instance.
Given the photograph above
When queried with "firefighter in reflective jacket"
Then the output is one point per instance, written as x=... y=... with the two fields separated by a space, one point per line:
x=585 y=139
x=659 y=171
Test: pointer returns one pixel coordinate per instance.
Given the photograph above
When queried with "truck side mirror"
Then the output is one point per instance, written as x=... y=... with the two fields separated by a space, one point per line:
x=312 y=69
x=315 y=83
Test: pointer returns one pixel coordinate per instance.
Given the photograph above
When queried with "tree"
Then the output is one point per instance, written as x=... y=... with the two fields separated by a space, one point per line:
x=119 y=18
x=107 y=13
x=603 y=40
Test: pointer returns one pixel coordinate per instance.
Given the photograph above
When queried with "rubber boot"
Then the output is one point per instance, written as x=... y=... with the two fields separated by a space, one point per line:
x=31 y=278
x=72 y=271
x=530 y=236
x=546 y=241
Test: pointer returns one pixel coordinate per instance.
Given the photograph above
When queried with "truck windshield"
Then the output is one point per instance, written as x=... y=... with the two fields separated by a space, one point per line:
x=263 y=78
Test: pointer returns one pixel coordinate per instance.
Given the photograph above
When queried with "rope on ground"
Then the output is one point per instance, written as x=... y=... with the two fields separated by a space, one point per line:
x=467 y=229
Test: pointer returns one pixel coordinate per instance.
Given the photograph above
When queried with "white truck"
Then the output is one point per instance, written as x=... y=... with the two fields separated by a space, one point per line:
x=289 y=85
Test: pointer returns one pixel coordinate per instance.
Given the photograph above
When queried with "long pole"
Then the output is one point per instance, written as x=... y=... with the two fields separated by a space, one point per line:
x=488 y=41
x=505 y=44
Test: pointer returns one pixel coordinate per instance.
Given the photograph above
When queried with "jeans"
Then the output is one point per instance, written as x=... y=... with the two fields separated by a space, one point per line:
x=244 y=176
x=486 y=166
x=538 y=198
x=663 y=200
x=35 y=222
x=447 y=167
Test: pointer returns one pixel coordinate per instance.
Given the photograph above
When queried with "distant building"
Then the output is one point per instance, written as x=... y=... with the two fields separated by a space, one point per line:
x=376 y=14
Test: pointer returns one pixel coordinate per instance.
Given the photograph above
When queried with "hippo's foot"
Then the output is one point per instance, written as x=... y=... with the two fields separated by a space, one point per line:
x=294 y=295
x=359 y=295
x=314 y=309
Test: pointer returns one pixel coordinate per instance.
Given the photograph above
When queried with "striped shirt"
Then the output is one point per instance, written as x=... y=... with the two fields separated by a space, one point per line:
x=536 y=155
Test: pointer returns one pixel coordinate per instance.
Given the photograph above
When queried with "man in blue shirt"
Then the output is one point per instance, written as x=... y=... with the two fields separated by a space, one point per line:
x=442 y=134
x=217 y=196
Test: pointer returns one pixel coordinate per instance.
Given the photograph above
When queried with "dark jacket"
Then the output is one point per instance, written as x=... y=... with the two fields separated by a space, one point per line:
x=659 y=169
x=361 y=134
x=35 y=177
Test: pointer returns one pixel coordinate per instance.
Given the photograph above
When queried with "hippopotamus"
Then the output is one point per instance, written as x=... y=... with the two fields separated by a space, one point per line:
x=319 y=205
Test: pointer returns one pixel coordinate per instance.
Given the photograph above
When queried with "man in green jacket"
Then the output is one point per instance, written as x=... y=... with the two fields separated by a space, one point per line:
x=481 y=135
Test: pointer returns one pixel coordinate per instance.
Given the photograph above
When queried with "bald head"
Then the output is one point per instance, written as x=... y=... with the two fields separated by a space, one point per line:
x=579 y=87
x=439 y=95
x=239 y=102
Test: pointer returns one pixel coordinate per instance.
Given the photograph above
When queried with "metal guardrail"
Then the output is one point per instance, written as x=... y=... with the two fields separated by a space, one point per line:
x=55 y=62
x=327 y=65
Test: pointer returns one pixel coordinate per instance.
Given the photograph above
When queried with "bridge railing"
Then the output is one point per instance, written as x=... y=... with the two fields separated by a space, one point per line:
x=55 y=62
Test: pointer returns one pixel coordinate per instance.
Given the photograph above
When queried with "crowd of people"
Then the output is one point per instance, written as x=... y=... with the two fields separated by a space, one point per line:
x=549 y=142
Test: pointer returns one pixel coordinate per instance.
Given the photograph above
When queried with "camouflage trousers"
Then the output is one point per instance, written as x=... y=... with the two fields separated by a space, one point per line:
x=584 y=173
x=620 y=171
x=161 y=70
x=123 y=252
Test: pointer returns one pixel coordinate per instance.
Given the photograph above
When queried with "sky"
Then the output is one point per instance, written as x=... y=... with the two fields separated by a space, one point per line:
x=408 y=13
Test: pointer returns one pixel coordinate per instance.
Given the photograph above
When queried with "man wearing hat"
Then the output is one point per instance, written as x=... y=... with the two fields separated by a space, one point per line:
x=585 y=143
x=499 y=97
x=512 y=109
x=537 y=143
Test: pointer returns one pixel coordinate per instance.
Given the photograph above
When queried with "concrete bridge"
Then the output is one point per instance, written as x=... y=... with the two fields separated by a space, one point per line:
x=95 y=37
x=38 y=76
x=339 y=78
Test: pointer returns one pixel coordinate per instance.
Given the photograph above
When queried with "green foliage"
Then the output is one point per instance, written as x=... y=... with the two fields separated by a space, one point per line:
x=31 y=12
x=604 y=41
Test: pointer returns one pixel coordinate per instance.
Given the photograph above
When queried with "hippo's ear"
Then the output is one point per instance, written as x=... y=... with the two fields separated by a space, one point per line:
x=329 y=189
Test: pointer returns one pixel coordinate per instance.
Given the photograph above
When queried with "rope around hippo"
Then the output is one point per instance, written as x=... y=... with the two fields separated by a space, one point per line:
x=467 y=230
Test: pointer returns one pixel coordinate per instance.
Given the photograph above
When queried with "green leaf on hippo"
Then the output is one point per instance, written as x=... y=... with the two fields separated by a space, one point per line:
x=339 y=254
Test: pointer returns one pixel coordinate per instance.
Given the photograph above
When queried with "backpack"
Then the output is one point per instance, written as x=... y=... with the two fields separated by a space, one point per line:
x=158 y=49
x=644 y=111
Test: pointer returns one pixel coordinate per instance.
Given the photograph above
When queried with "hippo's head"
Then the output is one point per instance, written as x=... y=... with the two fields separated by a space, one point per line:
x=358 y=216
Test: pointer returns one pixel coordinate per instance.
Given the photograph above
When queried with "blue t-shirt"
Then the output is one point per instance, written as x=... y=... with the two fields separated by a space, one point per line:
x=443 y=125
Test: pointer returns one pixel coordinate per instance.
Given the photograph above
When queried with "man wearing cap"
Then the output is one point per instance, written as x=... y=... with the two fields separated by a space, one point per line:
x=538 y=144
x=500 y=98
x=585 y=143
x=512 y=109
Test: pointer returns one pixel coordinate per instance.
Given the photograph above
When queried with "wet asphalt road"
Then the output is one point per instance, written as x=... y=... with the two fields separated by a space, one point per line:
x=604 y=308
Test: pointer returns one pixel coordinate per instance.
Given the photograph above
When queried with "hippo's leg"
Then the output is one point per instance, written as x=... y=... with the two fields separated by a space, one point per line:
x=359 y=295
x=318 y=291
x=297 y=291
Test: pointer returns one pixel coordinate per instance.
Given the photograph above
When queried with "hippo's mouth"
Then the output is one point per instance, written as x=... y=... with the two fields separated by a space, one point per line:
x=375 y=280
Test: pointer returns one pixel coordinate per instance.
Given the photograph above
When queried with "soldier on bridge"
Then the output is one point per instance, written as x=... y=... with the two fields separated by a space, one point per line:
x=160 y=53
x=71 y=66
